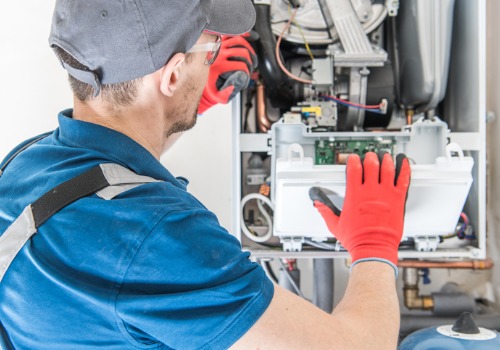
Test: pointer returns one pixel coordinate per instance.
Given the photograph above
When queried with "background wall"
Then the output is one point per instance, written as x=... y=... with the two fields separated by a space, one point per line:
x=34 y=88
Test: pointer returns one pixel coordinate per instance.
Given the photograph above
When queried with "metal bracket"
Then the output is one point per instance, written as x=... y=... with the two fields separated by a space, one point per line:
x=356 y=48
x=292 y=244
x=392 y=7
x=358 y=85
x=426 y=243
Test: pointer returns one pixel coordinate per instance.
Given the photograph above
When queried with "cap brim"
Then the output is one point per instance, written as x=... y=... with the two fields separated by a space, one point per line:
x=232 y=17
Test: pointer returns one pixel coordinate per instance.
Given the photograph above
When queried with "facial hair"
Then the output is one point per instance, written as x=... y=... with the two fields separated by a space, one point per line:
x=186 y=111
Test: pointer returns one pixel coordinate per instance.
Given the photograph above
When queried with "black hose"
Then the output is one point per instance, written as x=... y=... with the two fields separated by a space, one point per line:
x=279 y=88
x=270 y=270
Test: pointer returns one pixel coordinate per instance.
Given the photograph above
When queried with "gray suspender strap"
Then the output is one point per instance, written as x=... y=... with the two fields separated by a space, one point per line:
x=106 y=180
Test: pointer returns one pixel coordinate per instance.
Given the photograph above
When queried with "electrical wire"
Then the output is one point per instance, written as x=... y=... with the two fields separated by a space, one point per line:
x=461 y=228
x=278 y=55
x=308 y=49
x=323 y=245
x=266 y=266
x=306 y=68
x=370 y=108
x=462 y=232
x=465 y=218
x=451 y=235
x=248 y=106
x=290 y=279
x=260 y=198
x=352 y=103
x=266 y=216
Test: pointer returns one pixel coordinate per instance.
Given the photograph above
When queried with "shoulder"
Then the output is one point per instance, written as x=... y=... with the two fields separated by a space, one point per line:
x=190 y=283
x=20 y=148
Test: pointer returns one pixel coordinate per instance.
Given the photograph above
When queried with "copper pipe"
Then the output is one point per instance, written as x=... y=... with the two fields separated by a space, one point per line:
x=262 y=120
x=471 y=264
x=409 y=116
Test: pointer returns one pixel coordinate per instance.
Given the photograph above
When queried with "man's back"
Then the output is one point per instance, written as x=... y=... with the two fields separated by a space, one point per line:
x=147 y=268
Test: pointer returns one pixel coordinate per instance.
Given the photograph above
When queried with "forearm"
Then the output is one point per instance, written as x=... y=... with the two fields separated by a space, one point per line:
x=367 y=318
x=370 y=305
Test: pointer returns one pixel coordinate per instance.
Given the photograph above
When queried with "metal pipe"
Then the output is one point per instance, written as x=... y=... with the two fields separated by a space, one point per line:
x=263 y=121
x=452 y=304
x=409 y=116
x=485 y=264
x=323 y=284
x=412 y=299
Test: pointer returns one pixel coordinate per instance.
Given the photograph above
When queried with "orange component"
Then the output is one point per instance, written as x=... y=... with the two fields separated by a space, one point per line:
x=265 y=190
x=342 y=158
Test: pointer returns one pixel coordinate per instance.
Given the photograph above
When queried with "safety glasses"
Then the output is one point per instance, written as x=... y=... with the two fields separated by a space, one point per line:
x=212 y=49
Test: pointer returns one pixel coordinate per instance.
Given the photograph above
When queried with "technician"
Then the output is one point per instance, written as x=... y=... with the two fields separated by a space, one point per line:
x=122 y=256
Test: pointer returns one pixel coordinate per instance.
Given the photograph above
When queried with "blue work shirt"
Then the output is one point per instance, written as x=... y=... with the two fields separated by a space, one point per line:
x=150 y=269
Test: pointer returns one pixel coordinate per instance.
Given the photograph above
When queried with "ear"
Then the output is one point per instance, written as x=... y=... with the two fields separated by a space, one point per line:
x=170 y=74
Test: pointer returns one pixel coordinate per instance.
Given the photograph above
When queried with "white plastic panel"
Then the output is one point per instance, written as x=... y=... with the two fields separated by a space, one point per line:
x=435 y=199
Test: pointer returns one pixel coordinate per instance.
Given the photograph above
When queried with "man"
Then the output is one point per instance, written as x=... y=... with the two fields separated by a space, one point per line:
x=147 y=266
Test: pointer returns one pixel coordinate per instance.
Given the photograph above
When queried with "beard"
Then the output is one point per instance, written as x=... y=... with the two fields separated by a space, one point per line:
x=181 y=126
x=186 y=111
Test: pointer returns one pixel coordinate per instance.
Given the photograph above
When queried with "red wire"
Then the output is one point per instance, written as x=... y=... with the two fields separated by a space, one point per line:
x=290 y=264
x=354 y=104
x=465 y=218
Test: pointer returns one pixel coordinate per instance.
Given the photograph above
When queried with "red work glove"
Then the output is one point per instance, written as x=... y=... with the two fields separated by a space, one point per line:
x=370 y=224
x=230 y=73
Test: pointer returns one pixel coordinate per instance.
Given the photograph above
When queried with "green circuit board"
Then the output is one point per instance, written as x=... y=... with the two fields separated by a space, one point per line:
x=336 y=152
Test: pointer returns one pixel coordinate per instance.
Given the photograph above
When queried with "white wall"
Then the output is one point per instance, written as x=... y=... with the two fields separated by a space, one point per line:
x=203 y=155
x=34 y=88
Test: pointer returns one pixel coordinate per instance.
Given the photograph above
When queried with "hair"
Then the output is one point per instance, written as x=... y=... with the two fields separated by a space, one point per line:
x=189 y=57
x=117 y=95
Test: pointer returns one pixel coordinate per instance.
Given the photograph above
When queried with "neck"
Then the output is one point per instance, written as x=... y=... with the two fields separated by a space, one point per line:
x=144 y=125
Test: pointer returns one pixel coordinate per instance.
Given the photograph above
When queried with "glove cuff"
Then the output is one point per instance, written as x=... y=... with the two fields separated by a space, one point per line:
x=396 y=271
x=386 y=253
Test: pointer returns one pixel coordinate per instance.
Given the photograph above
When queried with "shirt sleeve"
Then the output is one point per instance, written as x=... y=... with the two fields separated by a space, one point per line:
x=190 y=286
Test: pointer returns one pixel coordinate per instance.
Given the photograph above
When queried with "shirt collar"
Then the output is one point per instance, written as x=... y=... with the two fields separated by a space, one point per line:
x=117 y=147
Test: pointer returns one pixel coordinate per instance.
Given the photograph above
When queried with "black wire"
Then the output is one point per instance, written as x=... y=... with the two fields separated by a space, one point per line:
x=248 y=107
x=394 y=51
x=327 y=25
x=306 y=69
x=270 y=271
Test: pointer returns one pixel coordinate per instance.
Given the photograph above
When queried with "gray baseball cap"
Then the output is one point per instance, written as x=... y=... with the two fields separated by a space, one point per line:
x=121 y=40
